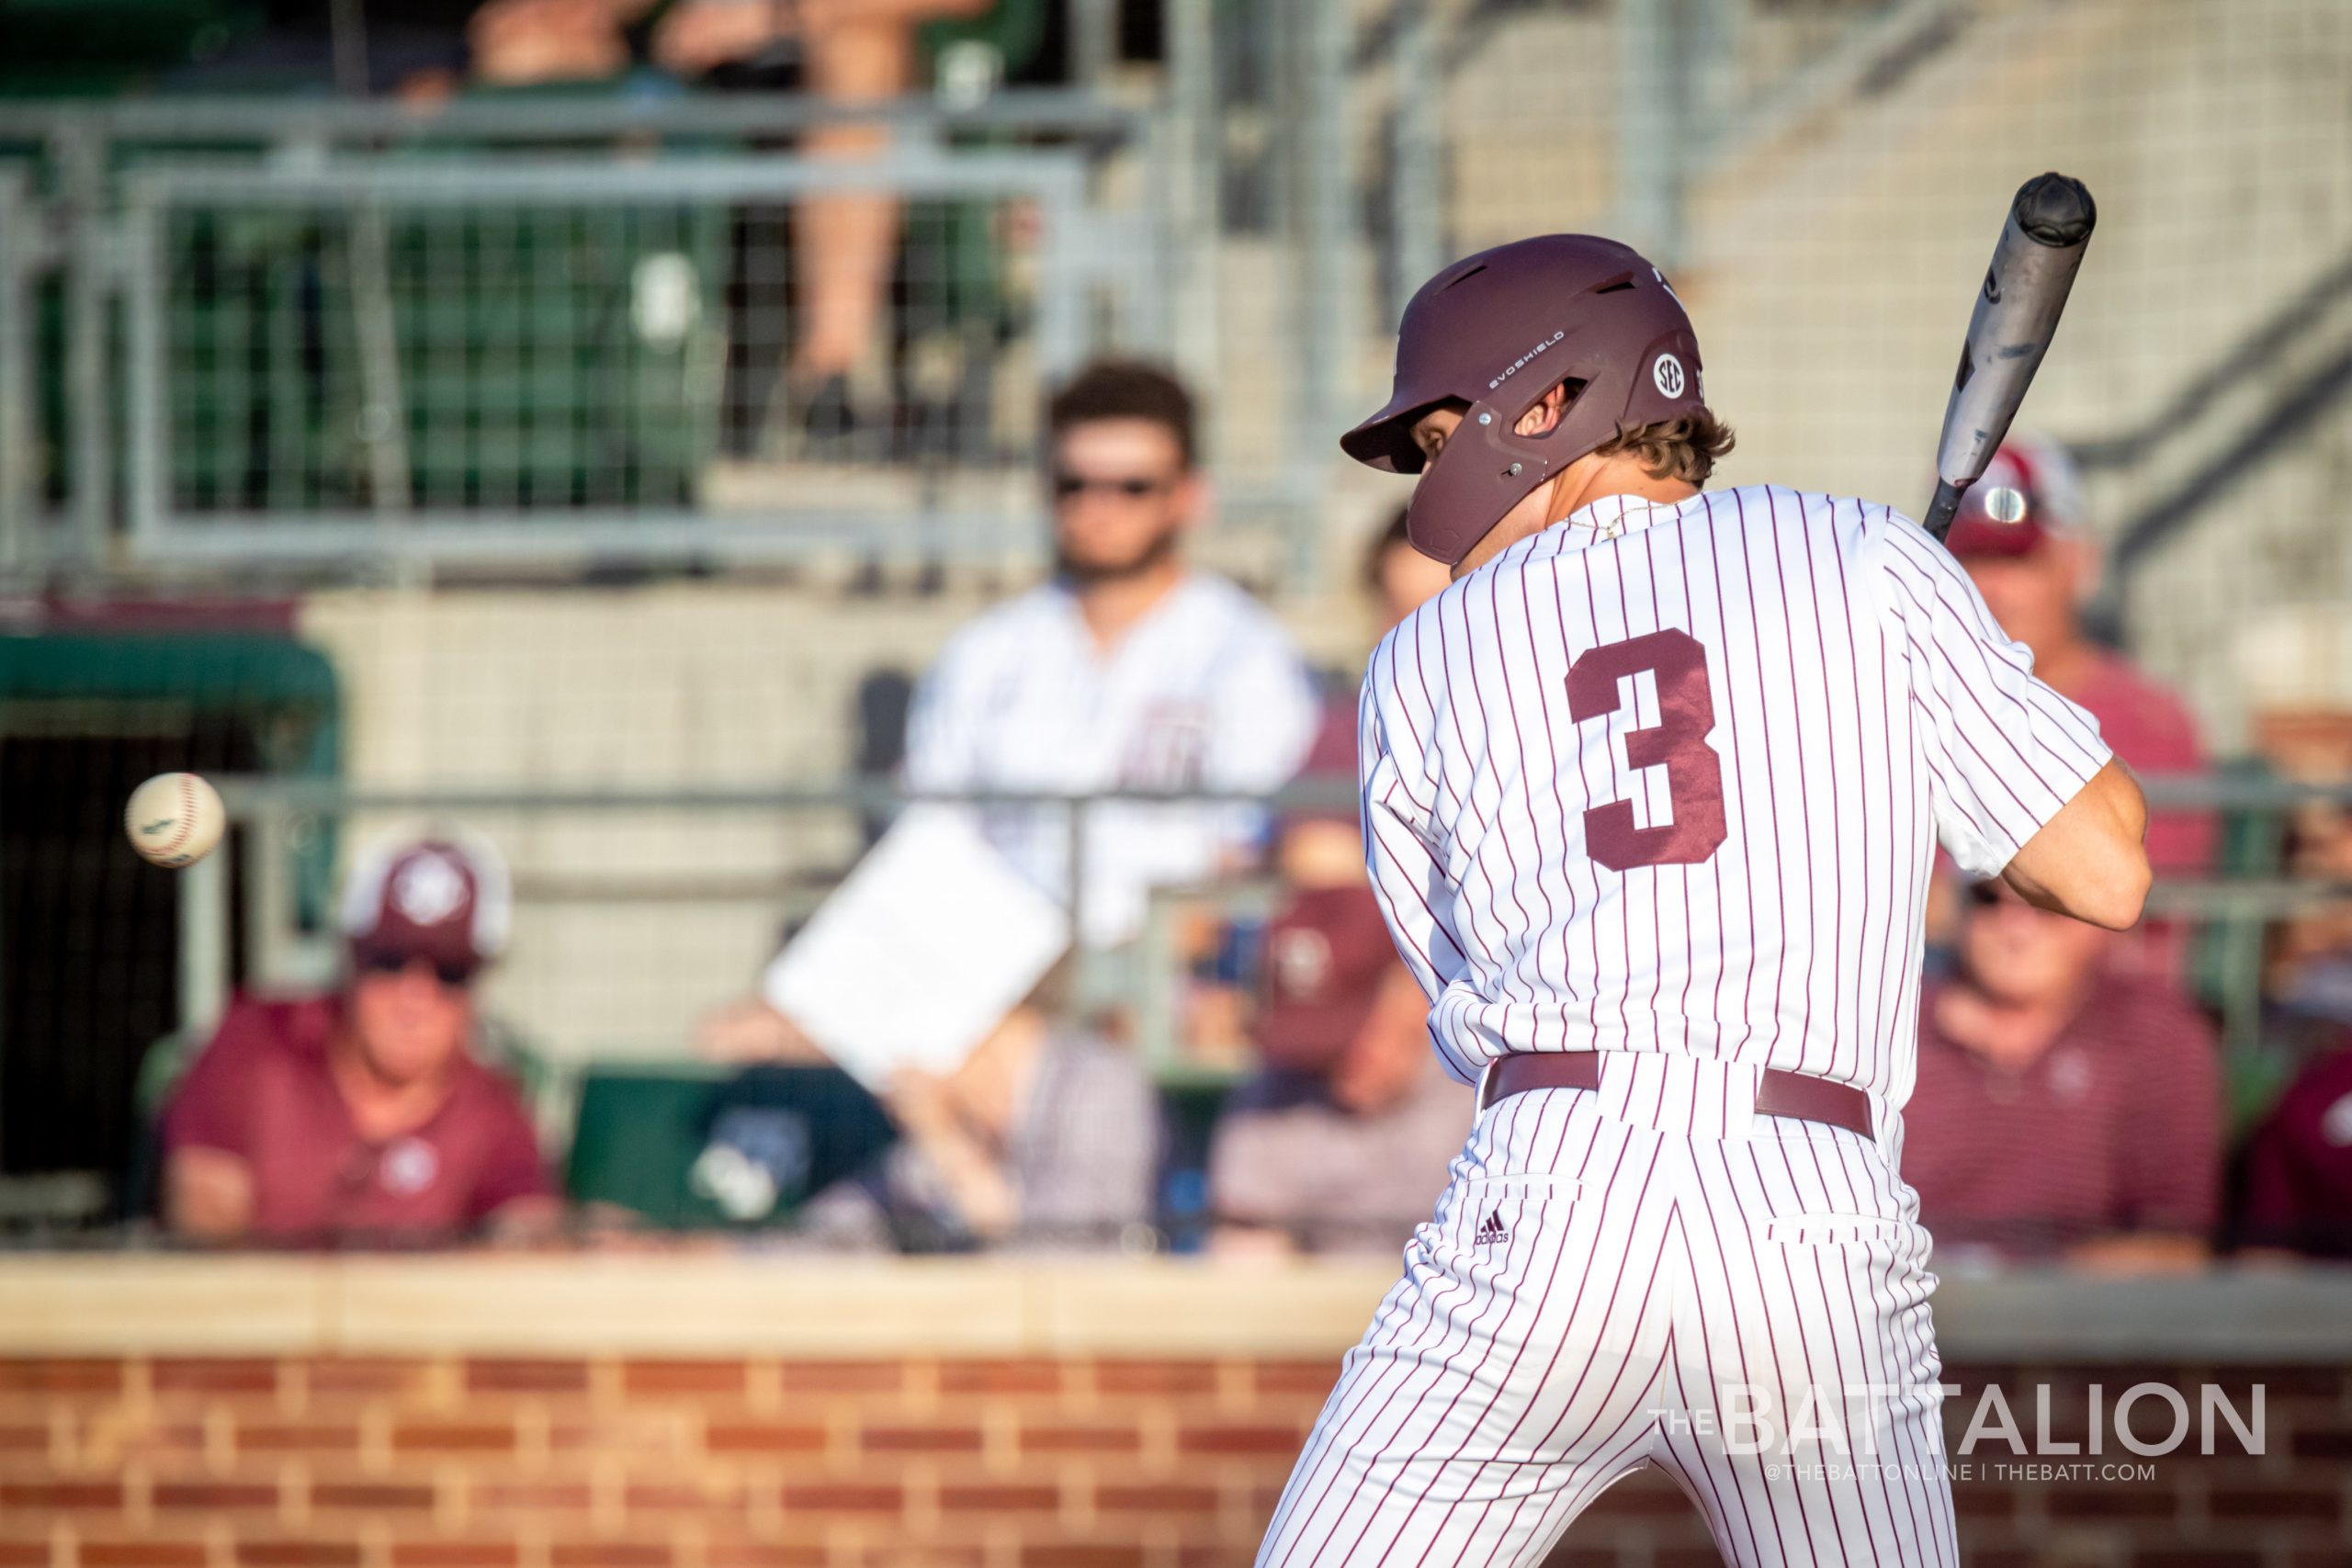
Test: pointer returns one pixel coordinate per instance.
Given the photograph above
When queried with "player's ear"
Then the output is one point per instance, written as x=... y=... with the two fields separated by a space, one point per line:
x=1545 y=416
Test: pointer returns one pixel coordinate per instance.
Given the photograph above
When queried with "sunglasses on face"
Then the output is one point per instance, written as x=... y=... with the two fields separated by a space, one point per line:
x=1995 y=896
x=452 y=976
x=1133 y=487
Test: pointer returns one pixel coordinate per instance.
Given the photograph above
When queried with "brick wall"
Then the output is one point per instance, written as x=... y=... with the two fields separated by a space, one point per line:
x=456 y=1462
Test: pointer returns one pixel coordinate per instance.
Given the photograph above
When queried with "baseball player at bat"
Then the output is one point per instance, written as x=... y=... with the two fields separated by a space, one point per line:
x=1650 y=794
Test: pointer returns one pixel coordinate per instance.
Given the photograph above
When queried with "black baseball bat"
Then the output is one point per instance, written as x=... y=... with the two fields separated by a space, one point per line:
x=2042 y=245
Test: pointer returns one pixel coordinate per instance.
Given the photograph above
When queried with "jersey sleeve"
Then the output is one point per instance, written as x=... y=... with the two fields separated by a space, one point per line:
x=1410 y=879
x=2003 y=751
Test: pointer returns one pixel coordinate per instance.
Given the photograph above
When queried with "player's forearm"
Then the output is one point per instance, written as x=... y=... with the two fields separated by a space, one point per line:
x=2091 y=860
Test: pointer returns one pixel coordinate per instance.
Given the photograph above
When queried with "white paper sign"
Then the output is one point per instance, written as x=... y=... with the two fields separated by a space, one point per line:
x=921 y=952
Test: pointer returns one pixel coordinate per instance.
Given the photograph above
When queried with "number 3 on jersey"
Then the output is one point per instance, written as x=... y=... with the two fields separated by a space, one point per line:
x=1677 y=742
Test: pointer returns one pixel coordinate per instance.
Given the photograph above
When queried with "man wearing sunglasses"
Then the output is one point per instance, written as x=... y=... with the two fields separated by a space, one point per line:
x=1128 y=671
x=363 y=1115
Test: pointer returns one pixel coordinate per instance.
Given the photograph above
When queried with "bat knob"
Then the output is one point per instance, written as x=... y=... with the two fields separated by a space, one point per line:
x=2055 y=211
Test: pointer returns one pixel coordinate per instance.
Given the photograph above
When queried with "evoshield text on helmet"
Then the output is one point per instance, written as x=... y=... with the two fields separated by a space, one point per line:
x=1497 y=331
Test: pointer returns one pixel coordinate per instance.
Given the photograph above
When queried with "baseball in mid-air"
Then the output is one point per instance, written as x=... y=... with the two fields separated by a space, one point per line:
x=174 y=820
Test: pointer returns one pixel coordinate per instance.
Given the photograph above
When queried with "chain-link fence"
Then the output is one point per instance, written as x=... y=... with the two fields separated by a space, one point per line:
x=362 y=356
x=236 y=333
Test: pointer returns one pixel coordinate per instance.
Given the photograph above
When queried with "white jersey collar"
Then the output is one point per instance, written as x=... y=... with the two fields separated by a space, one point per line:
x=1614 y=517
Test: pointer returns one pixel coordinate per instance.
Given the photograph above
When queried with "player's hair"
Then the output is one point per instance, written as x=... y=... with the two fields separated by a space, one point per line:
x=1124 y=388
x=1684 y=448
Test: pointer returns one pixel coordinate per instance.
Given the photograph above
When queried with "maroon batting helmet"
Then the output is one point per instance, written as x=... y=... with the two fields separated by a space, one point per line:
x=1497 y=331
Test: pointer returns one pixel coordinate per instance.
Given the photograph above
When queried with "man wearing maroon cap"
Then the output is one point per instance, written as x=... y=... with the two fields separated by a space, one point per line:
x=1340 y=1144
x=2297 y=1191
x=363 y=1115
x=2019 y=535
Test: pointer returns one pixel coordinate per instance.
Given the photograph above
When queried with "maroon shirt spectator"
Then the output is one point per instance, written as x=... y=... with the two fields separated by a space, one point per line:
x=2152 y=729
x=1341 y=1142
x=2020 y=536
x=363 y=1115
x=268 y=1091
x=2059 y=1106
x=2298 y=1189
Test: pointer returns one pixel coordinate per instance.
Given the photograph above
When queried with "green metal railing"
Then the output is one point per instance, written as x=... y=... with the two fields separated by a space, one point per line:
x=254 y=334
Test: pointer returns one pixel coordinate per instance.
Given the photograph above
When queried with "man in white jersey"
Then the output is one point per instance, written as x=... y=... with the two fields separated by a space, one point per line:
x=1127 y=672
x=1650 y=795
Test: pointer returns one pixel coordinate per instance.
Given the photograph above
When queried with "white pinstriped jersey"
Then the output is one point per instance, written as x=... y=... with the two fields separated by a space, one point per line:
x=1667 y=779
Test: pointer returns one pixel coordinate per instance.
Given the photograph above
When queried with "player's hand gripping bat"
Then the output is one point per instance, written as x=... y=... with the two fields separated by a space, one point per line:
x=2025 y=288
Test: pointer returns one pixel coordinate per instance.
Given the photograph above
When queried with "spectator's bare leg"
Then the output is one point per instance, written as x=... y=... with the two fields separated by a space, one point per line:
x=843 y=245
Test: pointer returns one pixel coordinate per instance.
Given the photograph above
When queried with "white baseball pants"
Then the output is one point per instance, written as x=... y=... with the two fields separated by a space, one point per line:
x=1748 y=1314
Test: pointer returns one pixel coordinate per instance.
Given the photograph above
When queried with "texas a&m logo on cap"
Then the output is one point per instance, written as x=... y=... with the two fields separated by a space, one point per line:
x=428 y=887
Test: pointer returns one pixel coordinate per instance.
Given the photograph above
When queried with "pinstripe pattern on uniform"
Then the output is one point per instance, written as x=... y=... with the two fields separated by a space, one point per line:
x=1605 y=1267
x=1504 y=1385
x=1864 y=706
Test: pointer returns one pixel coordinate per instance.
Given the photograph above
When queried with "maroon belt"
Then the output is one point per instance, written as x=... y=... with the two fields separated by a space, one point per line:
x=1781 y=1093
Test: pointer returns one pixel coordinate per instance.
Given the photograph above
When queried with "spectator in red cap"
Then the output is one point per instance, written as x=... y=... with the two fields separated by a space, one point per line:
x=2296 y=1193
x=2061 y=1109
x=2020 y=537
x=1341 y=1142
x=363 y=1115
